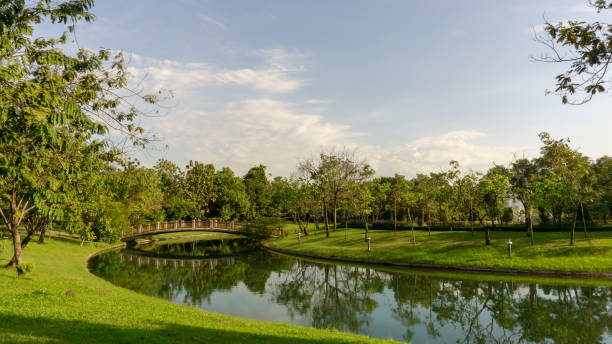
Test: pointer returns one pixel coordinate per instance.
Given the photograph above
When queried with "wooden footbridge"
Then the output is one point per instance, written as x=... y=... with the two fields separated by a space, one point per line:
x=146 y=231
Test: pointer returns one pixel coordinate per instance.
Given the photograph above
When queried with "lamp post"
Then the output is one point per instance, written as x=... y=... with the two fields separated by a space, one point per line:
x=509 y=248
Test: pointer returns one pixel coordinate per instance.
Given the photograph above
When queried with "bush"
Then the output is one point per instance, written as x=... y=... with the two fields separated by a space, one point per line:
x=264 y=227
x=24 y=269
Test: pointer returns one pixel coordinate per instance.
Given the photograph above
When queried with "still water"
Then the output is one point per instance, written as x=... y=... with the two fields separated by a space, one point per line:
x=236 y=277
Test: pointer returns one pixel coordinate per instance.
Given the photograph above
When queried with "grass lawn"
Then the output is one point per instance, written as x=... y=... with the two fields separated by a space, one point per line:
x=36 y=309
x=550 y=252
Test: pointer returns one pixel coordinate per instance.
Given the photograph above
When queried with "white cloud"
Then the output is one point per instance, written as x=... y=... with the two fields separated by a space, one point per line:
x=433 y=153
x=205 y=18
x=275 y=134
x=253 y=129
x=276 y=75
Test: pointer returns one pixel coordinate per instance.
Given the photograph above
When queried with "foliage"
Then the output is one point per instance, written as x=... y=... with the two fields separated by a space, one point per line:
x=586 y=48
x=24 y=268
x=264 y=227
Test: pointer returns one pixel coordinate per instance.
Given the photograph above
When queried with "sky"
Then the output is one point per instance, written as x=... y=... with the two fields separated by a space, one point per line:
x=406 y=85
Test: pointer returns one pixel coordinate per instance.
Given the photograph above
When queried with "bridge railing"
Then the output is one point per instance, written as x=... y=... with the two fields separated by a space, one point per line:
x=182 y=225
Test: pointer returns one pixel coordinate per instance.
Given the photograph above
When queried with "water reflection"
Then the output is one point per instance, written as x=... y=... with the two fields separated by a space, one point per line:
x=237 y=278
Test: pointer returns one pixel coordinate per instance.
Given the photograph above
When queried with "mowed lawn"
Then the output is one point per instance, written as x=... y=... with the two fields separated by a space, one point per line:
x=36 y=309
x=551 y=250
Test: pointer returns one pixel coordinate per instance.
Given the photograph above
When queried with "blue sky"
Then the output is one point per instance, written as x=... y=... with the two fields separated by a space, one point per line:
x=407 y=85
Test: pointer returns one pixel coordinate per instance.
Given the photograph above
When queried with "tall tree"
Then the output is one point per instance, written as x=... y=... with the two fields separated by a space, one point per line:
x=259 y=190
x=332 y=174
x=199 y=187
x=570 y=171
x=522 y=181
x=51 y=100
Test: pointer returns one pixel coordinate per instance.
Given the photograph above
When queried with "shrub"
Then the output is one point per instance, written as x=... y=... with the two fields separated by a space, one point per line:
x=24 y=269
x=264 y=227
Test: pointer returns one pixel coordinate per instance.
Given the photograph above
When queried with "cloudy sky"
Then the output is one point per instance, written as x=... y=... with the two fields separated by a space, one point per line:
x=407 y=85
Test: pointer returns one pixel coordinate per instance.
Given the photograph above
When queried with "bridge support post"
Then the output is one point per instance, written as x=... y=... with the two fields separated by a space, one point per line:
x=193 y=224
x=212 y=224
x=175 y=224
x=139 y=228
x=157 y=226
x=149 y=227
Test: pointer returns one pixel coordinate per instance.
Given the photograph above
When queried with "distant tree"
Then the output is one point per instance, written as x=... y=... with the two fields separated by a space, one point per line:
x=332 y=175
x=199 y=187
x=232 y=201
x=493 y=188
x=602 y=169
x=259 y=190
x=399 y=187
x=522 y=181
x=140 y=190
x=568 y=174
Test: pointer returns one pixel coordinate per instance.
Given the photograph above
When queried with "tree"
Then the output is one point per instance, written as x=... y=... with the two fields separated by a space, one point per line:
x=602 y=169
x=524 y=176
x=295 y=198
x=568 y=173
x=140 y=191
x=492 y=189
x=50 y=102
x=258 y=189
x=587 y=48
x=332 y=175
x=397 y=191
x=232 y=201
x=199 y=188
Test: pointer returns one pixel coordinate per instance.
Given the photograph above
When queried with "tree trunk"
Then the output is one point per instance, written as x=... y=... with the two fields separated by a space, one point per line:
x=395 y=215
x=326 y=219
x=17 y=259
x=41 y=237
x=335 y=216
x=487 y=236
x=366 y=229
x=427 y=223
x=345 y=225
x=531 y=226
x=472 y=217
x=411 y=225
x=574 y=225
x=583 y=221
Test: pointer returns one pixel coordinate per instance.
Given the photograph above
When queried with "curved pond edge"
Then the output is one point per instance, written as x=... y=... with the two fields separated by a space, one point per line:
x=473 y=269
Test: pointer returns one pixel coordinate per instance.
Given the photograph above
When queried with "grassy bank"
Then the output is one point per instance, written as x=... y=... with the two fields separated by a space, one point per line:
x=550 y=252
x=36 y=309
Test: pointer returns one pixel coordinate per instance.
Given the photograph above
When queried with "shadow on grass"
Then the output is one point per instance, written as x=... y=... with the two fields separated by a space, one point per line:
x=78 y=331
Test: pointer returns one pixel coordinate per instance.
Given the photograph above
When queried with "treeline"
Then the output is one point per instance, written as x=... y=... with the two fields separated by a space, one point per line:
x=559 y=187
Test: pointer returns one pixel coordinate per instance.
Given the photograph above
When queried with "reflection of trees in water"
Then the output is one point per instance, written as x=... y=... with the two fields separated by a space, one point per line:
x=503 y=312
x=203 y=248
x=333 y=296
x=343 y=297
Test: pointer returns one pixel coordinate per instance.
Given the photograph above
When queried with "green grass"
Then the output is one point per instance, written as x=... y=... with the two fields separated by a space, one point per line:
x=550 y=252
x=36 y=309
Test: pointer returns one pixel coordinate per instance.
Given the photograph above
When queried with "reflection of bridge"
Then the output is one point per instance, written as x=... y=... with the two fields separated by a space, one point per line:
x=194 y=262
x=145 y=231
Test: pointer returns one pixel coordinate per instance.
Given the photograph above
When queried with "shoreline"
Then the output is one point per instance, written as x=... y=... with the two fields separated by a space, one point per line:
x=504 y=271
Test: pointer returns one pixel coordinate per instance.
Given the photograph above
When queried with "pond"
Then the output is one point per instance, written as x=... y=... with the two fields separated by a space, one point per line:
x=237 y=277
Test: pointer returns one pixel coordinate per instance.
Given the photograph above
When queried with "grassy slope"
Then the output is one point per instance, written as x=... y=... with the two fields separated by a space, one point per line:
x=550 y=252
x=36 y=309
